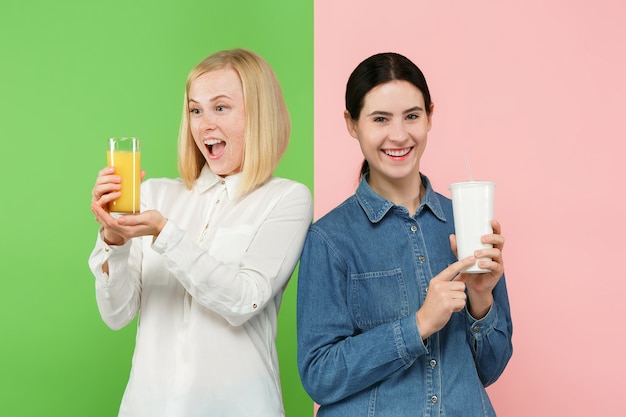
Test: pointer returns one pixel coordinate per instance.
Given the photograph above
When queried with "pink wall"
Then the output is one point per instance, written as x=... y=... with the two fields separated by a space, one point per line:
x=534 y=92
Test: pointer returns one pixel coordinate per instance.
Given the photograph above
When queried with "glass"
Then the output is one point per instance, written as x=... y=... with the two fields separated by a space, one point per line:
x=125 y=155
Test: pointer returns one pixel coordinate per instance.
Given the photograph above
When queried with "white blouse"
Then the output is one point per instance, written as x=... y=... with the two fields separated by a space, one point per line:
x=208 y=290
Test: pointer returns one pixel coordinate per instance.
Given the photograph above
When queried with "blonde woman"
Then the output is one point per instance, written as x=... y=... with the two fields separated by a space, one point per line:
x=206 y=261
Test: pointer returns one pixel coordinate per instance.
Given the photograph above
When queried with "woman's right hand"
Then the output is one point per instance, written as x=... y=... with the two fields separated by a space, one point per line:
x=445 y=296
x=107 y=189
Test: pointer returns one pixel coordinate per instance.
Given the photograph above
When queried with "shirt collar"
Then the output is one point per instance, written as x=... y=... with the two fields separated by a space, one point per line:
x=207 y=180
x=375 y=206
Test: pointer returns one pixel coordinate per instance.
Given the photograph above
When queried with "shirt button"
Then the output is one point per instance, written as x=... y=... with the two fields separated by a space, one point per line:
x=223 y=182
x=476 y=329
x=422 y=258
x=413 y=228
x=433 y=363
x=433 y=399
x=254 y=305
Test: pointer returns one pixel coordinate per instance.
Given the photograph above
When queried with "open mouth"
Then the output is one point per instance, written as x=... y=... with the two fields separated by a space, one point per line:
x=215 y=147
x=397 y=152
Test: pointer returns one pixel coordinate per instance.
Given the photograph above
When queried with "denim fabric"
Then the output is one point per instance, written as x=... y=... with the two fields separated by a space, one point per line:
x=364 y=273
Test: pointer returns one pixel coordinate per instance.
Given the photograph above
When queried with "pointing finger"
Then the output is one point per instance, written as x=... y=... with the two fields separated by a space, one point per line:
x=454 y=269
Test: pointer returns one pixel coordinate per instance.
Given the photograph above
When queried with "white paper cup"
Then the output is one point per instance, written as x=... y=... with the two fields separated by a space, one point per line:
x=472 y=205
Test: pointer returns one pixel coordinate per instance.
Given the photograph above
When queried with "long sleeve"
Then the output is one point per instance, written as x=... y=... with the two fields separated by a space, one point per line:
x=118 y=292
x=335 y=358
x=491 y=337
x=247 y=264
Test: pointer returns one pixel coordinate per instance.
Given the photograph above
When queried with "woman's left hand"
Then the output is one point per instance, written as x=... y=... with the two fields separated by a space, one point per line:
x=147 y=223
x=480 y=286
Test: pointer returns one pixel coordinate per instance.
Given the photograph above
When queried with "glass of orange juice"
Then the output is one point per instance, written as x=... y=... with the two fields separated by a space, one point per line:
x=125 y=155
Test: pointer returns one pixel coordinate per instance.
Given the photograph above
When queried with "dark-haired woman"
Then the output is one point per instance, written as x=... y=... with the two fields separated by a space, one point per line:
x=387 y=323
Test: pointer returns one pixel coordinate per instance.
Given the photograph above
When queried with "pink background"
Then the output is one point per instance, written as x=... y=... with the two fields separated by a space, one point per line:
x=534 y=92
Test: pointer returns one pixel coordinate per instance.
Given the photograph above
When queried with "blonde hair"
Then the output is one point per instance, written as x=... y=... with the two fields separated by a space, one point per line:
x=267 y=120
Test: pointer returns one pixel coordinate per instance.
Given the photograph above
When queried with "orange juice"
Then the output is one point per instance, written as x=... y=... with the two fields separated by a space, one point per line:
x=127 y=165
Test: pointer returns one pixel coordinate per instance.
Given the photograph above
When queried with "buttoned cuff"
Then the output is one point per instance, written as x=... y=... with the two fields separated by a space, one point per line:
x=104 y=253
x=408 y=340
x=484 y=325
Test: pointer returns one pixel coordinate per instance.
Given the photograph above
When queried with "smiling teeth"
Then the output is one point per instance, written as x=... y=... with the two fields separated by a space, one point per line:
x=211 y=142
x=397 y=152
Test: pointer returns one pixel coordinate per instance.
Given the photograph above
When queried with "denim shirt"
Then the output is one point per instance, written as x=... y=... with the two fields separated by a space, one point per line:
x=363 y=275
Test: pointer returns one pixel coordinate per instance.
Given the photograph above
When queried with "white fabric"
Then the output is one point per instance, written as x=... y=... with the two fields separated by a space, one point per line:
x=208 y=298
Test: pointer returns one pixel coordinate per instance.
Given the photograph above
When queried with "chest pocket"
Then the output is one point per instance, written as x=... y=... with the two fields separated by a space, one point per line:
x=230 y=244
x=378 y=297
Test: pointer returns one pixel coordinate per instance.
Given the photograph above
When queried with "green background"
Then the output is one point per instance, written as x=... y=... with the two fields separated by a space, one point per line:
x=72 y=74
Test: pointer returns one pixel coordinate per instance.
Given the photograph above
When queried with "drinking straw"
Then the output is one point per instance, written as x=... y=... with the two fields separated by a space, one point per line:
x=467 y=166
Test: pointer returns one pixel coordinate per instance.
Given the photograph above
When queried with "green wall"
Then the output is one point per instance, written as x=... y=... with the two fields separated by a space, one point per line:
x=72 y=74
